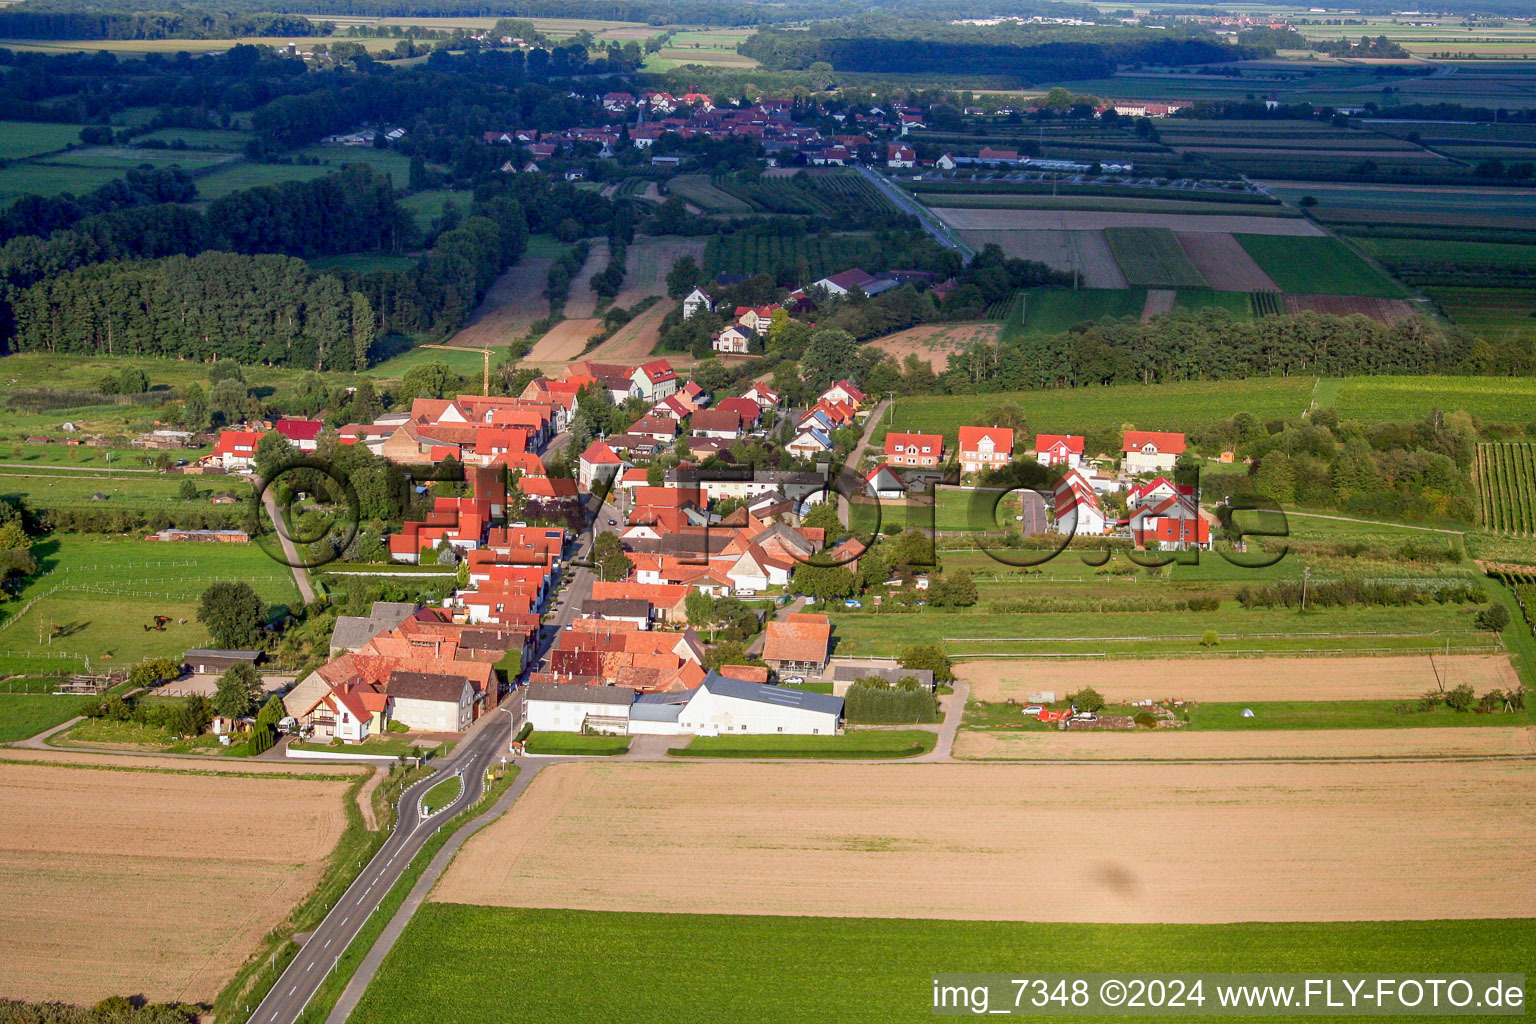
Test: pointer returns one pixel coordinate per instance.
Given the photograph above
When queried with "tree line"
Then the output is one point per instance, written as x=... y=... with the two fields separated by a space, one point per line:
x=1207 y=345
x=23 y=23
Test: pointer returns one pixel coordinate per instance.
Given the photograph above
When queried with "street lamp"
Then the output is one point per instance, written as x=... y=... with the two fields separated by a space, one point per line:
x=511 y=729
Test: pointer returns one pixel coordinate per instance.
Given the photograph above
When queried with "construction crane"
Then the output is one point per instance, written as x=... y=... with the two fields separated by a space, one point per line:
x=485 y=379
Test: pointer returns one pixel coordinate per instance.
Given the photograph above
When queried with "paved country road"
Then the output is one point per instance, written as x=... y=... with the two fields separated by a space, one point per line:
x=485 y=744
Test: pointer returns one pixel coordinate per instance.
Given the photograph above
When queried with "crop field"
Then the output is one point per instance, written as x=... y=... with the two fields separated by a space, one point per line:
x=1173 y=632
x=1386 y=311
x=1098 y=220
x=125 y=158
x=934 y=343
x=1505 y=313
x=801 y=258
x=701 y=192
x=647 y=262
x=843 y=970
x=1054 y=310
x=97 y=594
x=1085 y=253
x=198 y=138
x=823 y=194
x=427 y=206
x=982 y=198
x=1257 y=679
x=1098 y=413
x=29 y=138
x=1509 y=400
x=1238 y=305
x=191 y=871
x=1185 y=746
x=1153 y=258
x=1316 y=266
x=1423 y=261
x=44 y=179
x=1224 y=263
x=556 y=847
x=1505 y=477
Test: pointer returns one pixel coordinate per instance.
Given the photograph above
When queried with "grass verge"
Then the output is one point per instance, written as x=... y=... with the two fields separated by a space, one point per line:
x=575 y=743
x=874 y=743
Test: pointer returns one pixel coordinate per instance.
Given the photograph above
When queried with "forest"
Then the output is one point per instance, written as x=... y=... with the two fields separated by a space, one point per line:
x=1025 y=52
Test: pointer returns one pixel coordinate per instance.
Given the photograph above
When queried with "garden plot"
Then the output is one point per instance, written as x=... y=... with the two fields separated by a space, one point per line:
x=934 y=343
x=1124 y=843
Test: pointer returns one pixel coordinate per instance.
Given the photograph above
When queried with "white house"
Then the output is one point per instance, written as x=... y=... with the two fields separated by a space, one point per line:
x=598 y=462
x=1077 y=507
x=656 y=380
x=723 y=706
x=882 y=482
x=734 y=338
x=576 y=707
x=431 y=702
x=696 y=300
x=764 y=396
x=945 y=162
x=809 y=444
x=1151 y=451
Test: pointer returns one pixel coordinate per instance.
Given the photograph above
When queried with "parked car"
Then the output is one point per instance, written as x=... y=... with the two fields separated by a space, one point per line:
x=793 y=681
x=613 y=522
x=1033 y=709
x=744 y=592
x=851 y=603
x=1086 y=716
x=810 y=600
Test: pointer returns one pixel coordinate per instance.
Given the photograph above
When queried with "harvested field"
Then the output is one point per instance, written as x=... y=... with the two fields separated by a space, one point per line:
x=1237 y=679
x=1276 y=745
x=646 y=265
x=1387 y=311
x=1098 y=220
x=152 y=883
x=565 y=341
x=1226 y=265
x=634 y=342
x=1139 y=843
x=1159 y=300
x=933 y=343
x=581 y=303
x=1153 y=258
x=1086 y=250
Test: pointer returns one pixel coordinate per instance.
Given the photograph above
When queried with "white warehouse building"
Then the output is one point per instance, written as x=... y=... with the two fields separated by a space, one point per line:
x=717 y=706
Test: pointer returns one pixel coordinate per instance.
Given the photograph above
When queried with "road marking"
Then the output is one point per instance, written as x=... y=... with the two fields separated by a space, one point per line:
x=311 y=966
x=293 y=990
x=342 y=922
x=327 y=944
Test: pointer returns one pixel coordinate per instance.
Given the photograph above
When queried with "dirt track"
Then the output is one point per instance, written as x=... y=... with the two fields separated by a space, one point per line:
x=1268 y=745
x=126 y=883
x=1390 y=678
x=1098 y=220
x=514 y=302
x=1132 y=843
x=1224 y=263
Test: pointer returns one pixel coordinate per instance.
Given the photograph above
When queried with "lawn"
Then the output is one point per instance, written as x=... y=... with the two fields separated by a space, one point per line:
x=427 y=206
x=28 y=178
x=442 y=794
x=1054 y=310
x=576 y=743
x=795 y=969
x=1316 y=266
x=873 y=743
x=208 y=138
x=29 y=138
x=377 y=746
x=1493 y=399
x=467 y=361
x=1099 y=412
x=125 y=158
x=385 y=161
x=23 y=715
x=44 y=489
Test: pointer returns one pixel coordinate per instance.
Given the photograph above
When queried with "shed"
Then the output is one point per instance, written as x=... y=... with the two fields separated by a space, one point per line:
x=214 y=660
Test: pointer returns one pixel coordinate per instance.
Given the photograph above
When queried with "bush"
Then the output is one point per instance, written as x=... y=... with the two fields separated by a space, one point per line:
x=1087 y=699
x=1203 y=604
x=1146 y=720
x=884 y=705
x=1460 y=698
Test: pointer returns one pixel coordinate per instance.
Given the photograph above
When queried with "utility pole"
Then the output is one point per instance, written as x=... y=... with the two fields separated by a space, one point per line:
x=1306 y=575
